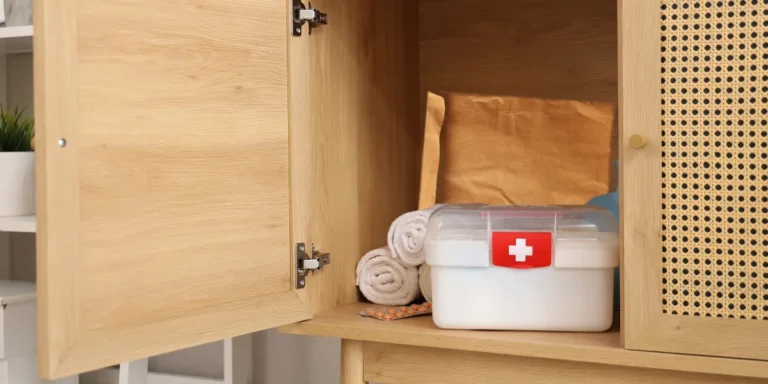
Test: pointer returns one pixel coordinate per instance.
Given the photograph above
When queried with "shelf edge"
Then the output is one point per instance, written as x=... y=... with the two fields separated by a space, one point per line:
x=587 y=354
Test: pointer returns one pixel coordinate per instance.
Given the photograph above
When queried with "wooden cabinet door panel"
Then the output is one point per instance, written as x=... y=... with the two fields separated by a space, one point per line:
x=162 y=176
x=694 y=206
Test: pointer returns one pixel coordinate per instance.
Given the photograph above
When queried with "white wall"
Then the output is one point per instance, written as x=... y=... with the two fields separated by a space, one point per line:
x=288 y=359
x=18 y=81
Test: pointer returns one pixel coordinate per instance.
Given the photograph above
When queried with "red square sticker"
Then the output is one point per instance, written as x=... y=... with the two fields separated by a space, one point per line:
x=521 y=250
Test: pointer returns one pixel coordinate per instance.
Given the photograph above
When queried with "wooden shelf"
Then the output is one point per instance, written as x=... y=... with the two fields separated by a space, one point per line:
x=18 y=224
x=601 y=348
x=16 y=39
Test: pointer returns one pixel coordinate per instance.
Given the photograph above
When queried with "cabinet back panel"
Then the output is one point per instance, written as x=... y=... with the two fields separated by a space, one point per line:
x=535 y=48
x=532 y=48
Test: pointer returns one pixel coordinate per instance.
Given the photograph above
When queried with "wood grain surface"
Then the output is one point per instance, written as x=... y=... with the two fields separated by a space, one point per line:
x=601 y=348
x=164 y=220
x=355 y=136
x=391 y=363
x=541 y=48
x=352 y=362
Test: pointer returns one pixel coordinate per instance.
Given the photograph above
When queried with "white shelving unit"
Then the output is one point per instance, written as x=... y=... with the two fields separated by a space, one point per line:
x=16 y=39
x=26 y=224
x=18 y=363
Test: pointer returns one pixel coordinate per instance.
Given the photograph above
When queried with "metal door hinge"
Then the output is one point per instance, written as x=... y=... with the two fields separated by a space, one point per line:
x=303 y=14
x=306 y=263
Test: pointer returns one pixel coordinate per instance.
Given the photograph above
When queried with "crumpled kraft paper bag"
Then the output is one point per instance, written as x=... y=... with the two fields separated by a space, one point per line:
x=514 y=150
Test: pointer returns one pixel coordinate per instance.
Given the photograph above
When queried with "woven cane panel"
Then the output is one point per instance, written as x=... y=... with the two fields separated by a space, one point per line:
x=714 y=158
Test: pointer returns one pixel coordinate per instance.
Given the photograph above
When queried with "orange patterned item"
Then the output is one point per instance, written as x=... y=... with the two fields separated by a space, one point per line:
x=397 y=313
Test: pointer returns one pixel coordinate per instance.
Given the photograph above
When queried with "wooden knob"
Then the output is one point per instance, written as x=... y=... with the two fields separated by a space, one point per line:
x=637 y=141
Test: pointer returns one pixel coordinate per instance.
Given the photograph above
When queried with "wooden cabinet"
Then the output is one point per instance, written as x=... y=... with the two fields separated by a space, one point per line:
x=186 y=147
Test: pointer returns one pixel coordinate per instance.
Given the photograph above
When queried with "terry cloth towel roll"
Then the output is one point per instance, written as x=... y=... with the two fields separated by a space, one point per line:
x=425 y=281
x=406 y=236
x=385 y=280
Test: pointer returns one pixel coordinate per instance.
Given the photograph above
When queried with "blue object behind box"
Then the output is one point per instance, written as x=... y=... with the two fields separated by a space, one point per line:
x=610 y=202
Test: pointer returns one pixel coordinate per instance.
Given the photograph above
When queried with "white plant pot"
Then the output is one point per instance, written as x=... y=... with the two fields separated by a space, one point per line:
x=17 y=12
x=17 y=183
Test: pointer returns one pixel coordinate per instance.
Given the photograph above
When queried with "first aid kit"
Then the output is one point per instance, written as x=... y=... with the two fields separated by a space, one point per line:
x=544 y=268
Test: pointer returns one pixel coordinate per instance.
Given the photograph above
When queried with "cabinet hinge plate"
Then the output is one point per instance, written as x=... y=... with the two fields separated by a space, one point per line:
x=306 y=15
x=306 y=263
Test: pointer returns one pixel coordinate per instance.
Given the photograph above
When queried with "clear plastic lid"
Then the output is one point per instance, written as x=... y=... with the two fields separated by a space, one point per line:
x=522 y=237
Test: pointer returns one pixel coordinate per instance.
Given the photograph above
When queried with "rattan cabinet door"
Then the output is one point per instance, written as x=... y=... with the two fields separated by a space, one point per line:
x=694 y=121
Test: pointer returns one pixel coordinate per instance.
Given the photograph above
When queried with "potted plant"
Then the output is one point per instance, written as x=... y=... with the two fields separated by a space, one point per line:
x=17 y=163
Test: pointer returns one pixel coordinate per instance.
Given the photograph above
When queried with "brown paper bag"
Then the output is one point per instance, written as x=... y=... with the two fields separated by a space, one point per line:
x=513 y=150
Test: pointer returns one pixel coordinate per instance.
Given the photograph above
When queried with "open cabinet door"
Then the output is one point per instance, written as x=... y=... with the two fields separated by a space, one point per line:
x=162 y=177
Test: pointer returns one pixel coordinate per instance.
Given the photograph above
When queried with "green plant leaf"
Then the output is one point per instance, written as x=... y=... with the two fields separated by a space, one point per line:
x=16 y=130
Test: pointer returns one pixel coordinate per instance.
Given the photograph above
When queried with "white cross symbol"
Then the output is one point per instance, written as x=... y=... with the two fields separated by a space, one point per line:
x=520 y=250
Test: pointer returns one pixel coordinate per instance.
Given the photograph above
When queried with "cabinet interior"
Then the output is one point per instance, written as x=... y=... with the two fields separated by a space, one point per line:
x=357 y=96
x=369 y=74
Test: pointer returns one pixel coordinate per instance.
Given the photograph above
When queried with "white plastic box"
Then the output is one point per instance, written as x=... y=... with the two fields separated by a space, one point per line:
x=522 y=267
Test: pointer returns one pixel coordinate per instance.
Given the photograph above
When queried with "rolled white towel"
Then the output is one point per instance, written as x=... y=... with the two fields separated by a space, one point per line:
x=386 y=280
x=406 y=236
x=425 y=281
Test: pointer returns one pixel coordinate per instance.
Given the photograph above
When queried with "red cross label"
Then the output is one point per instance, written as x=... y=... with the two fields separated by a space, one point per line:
x=521 y=250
